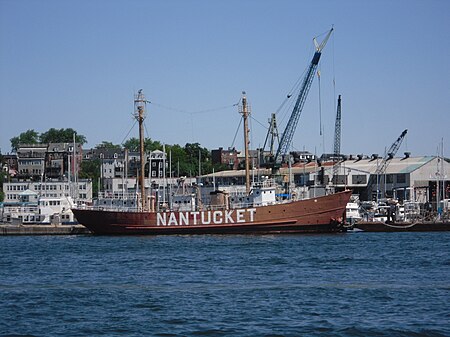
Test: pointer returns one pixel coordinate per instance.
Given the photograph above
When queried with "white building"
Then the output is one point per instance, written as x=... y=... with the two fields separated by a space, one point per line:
x=410 y=178
x=81 y=191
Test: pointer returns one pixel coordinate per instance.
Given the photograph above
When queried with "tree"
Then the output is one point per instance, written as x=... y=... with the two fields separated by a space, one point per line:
x=90 y=169
x=152 y=145
x=51 y=136
x=194 y=152
x=62 y=136
x=27 y=137
x=132 y=144
x=108 y=145
x=179 y=160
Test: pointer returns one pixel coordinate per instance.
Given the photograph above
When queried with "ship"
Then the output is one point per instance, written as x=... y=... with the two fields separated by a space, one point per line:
x=317 y=215
x=262 y=213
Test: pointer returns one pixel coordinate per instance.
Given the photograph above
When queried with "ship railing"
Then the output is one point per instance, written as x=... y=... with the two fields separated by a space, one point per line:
x=264 y=183
x=113 y=208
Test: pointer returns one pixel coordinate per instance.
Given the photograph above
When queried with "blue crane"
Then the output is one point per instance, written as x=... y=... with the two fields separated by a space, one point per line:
x=337 y=141
x=381 y=167
x=390 y=154
x=288 y=134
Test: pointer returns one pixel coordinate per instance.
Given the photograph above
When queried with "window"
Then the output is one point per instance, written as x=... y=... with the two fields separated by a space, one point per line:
x=359 y=179
x=401 y=178
x=389 y=178
x=340 y=179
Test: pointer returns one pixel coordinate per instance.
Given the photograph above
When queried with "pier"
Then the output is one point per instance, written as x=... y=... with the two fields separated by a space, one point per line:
x=6 y=229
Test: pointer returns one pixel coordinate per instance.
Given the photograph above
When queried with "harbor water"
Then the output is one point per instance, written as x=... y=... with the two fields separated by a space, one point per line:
x=350 y=284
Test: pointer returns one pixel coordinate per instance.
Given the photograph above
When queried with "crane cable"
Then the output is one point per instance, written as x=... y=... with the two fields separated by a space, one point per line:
x=320 y=104
x=194 y=112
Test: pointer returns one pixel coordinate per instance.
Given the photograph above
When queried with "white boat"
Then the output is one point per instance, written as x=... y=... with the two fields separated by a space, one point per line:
x=33 y=209
x=352 y=213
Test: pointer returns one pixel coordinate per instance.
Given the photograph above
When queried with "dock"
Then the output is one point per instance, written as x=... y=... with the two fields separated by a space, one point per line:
x=7 y=229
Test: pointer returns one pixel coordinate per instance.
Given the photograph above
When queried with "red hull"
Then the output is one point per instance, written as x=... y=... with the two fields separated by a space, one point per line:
x=316 y=215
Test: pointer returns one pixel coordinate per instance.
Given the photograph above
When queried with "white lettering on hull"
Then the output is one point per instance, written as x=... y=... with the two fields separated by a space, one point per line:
x=205 y=217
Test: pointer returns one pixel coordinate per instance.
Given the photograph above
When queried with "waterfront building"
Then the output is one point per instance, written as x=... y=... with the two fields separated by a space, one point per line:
x=81 y=191
x=406 y=178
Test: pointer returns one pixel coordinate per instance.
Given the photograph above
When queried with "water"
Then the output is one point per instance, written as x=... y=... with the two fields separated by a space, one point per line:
x=354 y=284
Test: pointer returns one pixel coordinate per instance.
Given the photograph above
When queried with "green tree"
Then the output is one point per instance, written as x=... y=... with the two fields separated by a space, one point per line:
x=90 y=169
x=62 y=136
x=108 y=145
x=27 y=137
x=152 y=145
x=132 y=144
x=179 y=160
x=194 y=153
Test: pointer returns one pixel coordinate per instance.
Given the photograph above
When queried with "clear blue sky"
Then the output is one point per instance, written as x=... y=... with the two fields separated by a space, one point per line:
x=77 y=64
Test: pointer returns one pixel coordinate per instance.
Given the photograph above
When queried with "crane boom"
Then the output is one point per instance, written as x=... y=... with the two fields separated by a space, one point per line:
x=337 y=139
x=391 y=153
x=288 y=134
x=337 y=129
x=381 y=168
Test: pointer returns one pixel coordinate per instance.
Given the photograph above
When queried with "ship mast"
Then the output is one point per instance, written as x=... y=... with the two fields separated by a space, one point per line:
x=139 y=114
x=245 y=113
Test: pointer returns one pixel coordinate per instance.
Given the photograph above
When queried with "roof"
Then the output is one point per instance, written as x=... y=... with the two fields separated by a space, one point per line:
x=395 y=165
x=236 y=173
x=365 y=166
x=28 y=192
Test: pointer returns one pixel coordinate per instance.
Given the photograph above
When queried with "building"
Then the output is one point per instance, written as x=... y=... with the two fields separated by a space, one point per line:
x=157 y=163
x=81 y=191
x=407 y=178
x=112 y=161
x=31 y=161
x=9 y=164
x=55 y=161
x=120 y=163
x=226 y=157
x=62 y=160
x=302 y=156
